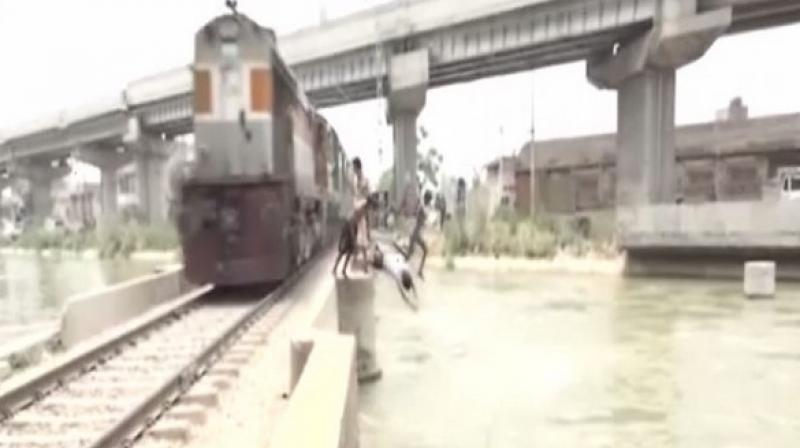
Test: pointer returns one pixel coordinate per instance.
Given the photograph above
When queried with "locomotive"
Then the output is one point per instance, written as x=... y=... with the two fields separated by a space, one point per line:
x=267 y=185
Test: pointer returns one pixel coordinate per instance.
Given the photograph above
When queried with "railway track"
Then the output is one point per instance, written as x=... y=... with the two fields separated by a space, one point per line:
x=113 y=394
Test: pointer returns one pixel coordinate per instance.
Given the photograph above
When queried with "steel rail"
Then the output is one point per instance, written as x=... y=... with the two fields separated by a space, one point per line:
x=37 y=387
x=146 y=413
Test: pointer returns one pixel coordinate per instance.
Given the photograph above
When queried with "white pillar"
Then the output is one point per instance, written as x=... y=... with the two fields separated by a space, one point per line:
x=646 y=138
x=643 y=72
x=150 y=158
x=405 y=156
x=108 y=159
x=40 y=176
x=355 y=298
x=408 y=82
x=108 y=193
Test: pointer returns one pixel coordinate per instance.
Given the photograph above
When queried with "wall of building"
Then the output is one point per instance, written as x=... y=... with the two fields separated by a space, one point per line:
x=736 y=158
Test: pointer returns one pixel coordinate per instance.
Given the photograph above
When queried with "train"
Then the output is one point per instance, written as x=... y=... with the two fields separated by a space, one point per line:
x=267 y=188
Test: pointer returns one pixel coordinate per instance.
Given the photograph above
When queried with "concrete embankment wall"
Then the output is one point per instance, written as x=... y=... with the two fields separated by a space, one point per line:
x=323 y=409
x=88 y=314
x=709 y=265
x=323 y=406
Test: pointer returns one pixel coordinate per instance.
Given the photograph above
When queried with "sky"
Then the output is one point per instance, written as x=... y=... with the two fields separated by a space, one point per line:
x=58 y=54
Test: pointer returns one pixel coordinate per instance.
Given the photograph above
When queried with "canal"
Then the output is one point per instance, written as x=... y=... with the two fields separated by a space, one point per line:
x=555 y=360
x=33 y=288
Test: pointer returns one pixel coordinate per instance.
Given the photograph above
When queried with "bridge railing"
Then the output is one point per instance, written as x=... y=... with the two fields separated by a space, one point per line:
x=741 y=224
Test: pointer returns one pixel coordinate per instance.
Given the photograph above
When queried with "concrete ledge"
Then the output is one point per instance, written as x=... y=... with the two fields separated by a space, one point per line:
x=705 y=265
x=87 y=314
x=561 y=263
x=323 y=408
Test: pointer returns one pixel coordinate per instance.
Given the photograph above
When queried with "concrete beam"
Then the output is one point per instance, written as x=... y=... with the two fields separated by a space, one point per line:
x=668 y=45
x=680 y=42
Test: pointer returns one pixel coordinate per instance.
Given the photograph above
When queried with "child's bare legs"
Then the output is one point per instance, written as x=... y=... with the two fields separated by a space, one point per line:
x=346 y=262
x=366 y=259
x=338 y=259
x=424 y=248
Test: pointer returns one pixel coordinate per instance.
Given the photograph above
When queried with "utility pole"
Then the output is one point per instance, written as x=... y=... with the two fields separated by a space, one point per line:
x=531 y=149
x=323 y=13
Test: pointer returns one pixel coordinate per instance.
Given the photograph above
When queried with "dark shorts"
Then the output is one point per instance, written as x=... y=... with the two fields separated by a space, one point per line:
x=347 y=238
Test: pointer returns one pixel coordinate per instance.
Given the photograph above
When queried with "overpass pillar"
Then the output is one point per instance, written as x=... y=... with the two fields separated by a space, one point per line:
x=150 y=156
x=40 y=176
x=643 y=72
x=408 y=85
x=108 y=160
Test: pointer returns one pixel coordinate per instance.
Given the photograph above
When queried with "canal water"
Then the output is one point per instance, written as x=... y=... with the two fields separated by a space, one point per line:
x=33 y=289
x=552 y=360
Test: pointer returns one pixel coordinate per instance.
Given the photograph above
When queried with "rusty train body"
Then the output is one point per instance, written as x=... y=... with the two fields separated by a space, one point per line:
x=267 y=187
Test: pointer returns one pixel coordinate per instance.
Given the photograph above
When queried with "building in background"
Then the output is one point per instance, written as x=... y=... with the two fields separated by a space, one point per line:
x=732 y=158
x=500 y=179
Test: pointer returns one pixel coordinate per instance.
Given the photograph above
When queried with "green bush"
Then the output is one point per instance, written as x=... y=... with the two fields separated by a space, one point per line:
x=535 y=240
x=124 y=239
x=111 y=240
x=456 y=241
x=498 y=237
x=508 y=234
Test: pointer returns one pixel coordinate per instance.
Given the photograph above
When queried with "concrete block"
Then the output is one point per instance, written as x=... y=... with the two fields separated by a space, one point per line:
x=759 y=279
x=355 y=297
x=88 y=314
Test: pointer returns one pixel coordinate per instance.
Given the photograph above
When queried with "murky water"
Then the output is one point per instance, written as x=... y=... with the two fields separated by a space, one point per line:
x=521 y=360
x=33 y=289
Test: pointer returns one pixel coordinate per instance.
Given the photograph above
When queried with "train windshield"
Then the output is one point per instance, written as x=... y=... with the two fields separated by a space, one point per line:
x=230 y=51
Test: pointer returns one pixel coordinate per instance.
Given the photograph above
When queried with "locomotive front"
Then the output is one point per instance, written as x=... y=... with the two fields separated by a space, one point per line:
x=237 y=206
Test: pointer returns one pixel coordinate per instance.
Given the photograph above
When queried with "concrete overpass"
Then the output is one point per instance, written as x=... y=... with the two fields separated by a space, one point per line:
x=402 y=48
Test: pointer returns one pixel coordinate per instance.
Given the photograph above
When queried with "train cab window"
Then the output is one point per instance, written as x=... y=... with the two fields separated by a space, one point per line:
x=230 y=51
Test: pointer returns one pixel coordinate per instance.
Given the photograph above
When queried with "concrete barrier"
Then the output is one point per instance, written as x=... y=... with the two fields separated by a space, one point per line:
x=88 y=314
x=759 y=279
x=323 y=409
